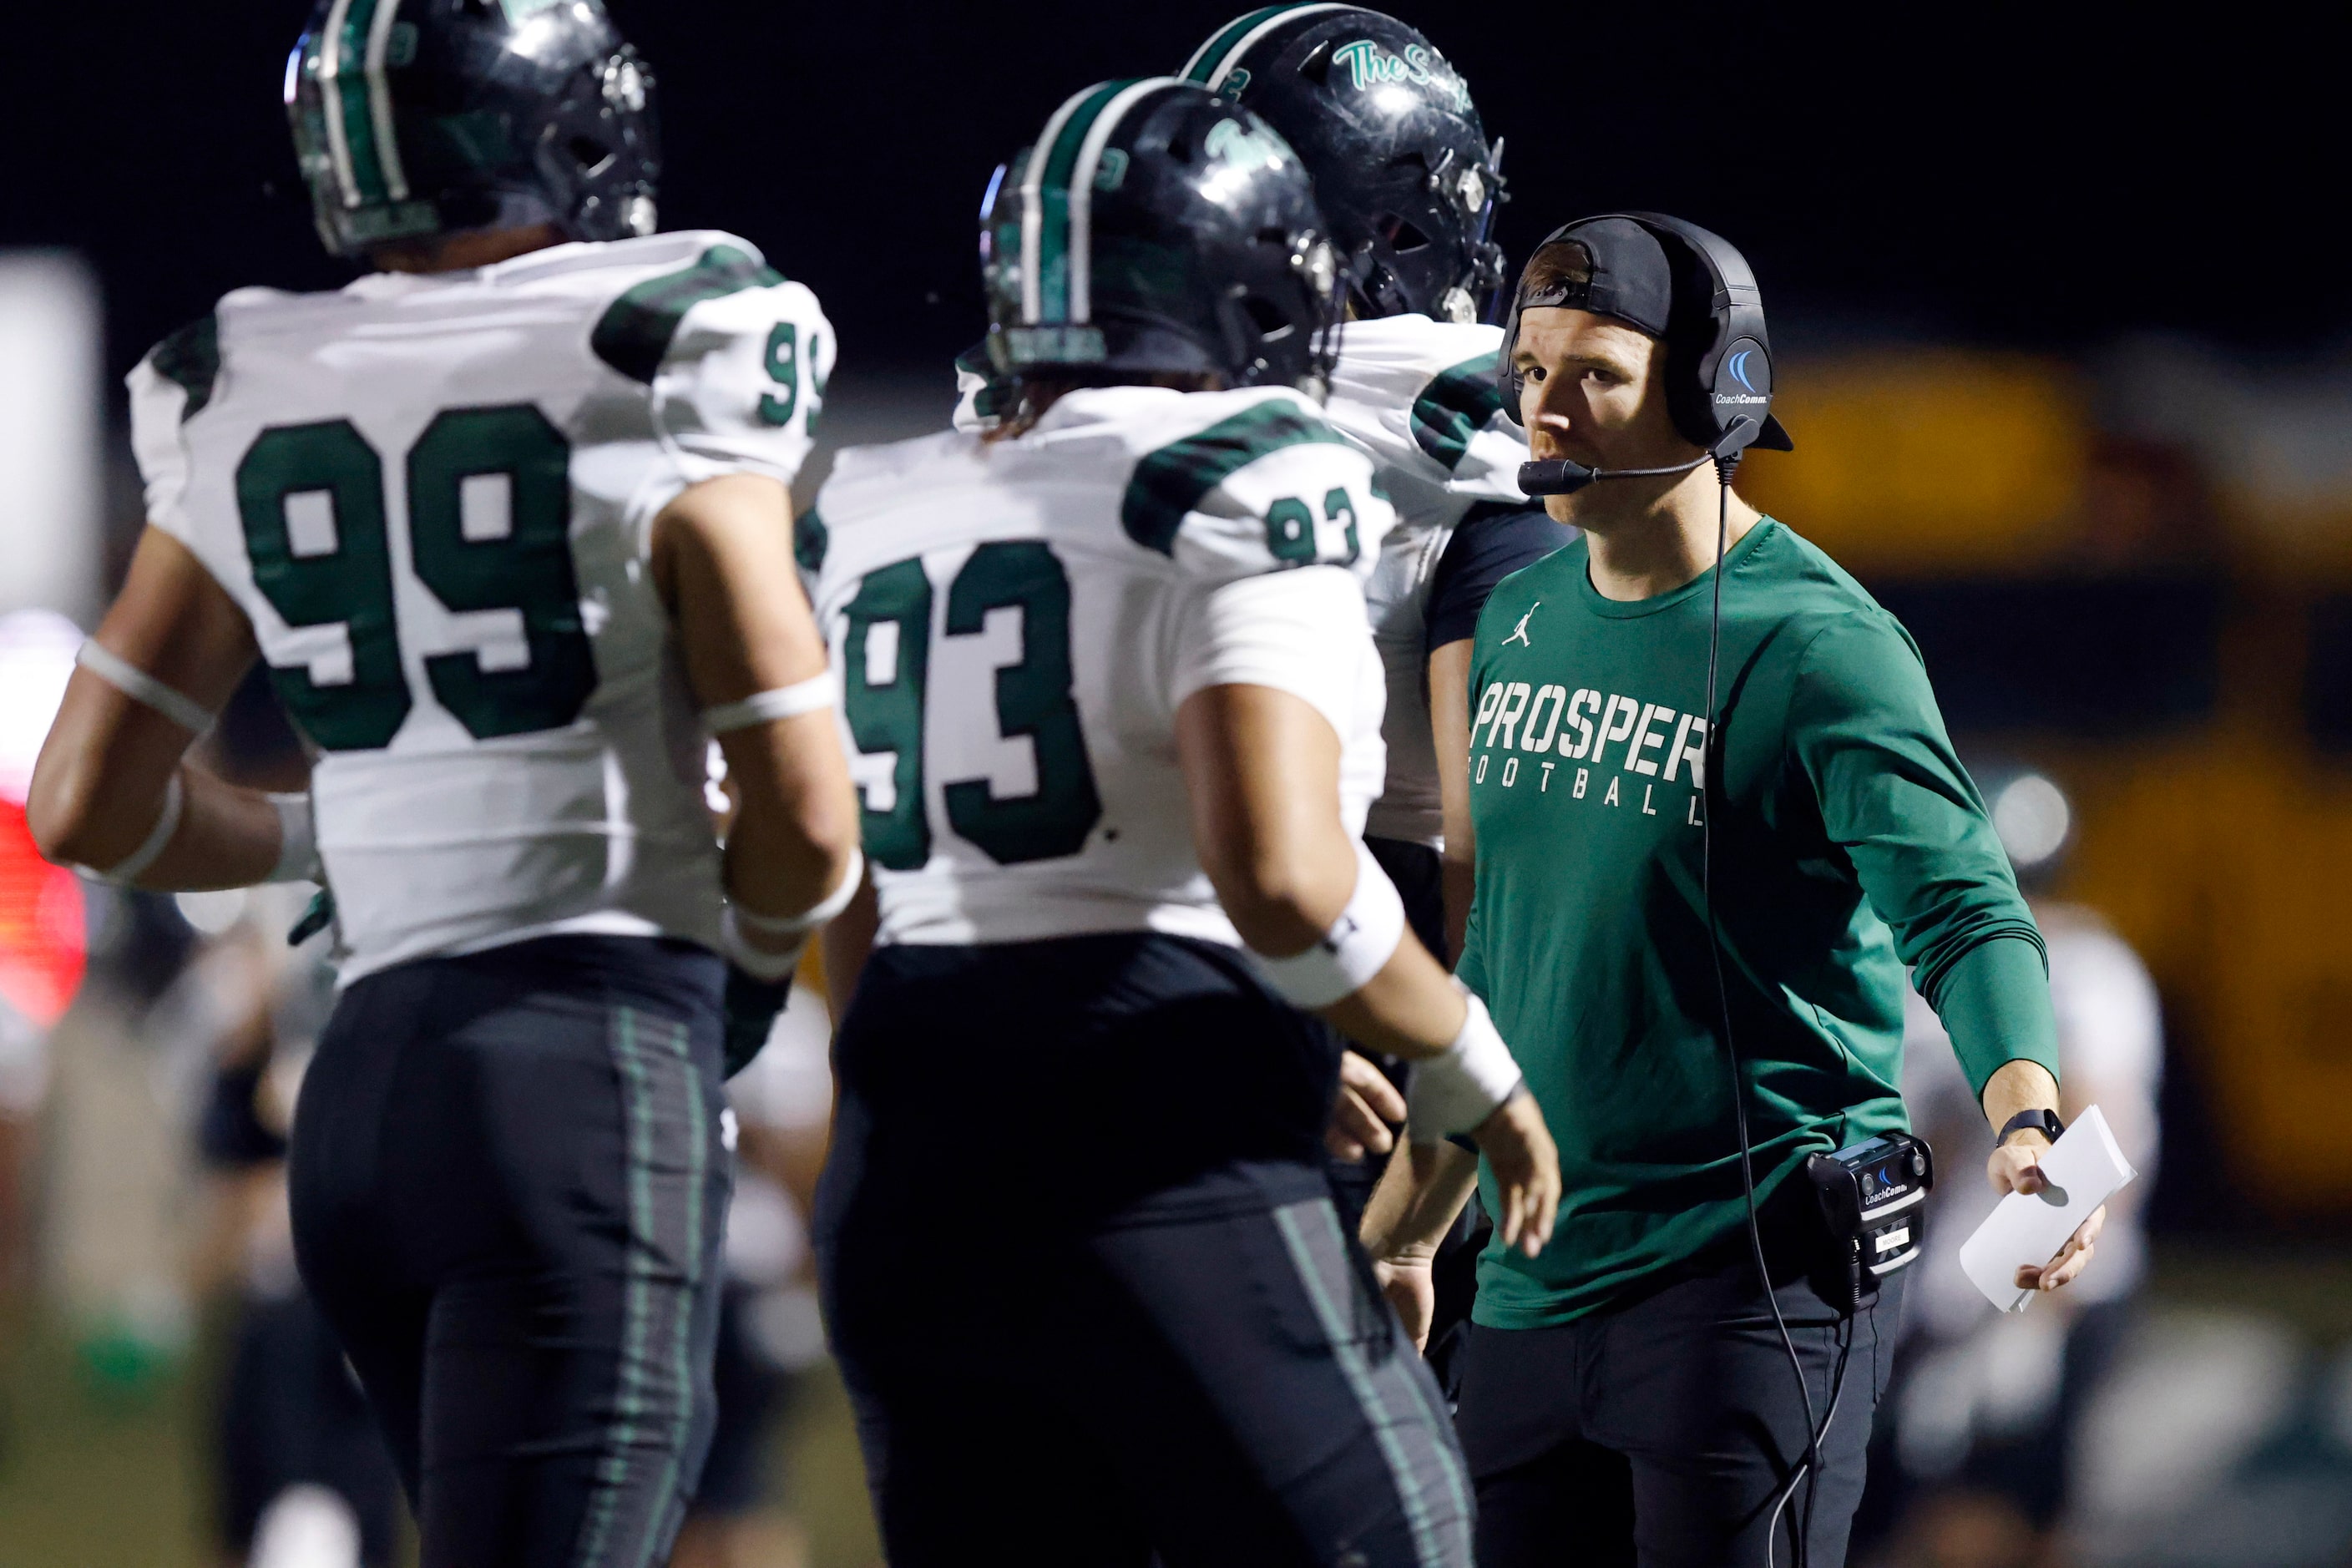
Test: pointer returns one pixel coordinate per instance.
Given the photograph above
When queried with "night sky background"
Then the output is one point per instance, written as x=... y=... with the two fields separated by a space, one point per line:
x=2046 y=177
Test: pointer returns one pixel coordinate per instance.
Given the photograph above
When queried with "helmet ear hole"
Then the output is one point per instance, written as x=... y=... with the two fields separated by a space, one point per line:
x=593 y=156
x=1273 y=325
x=1405 y=236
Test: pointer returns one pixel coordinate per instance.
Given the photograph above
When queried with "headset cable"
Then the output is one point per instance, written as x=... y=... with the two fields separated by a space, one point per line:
x=1726 y=467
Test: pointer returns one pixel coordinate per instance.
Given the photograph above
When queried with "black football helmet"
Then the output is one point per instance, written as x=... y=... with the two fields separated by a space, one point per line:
x=1156 y=227
x=1401 y=164
x=419 y=117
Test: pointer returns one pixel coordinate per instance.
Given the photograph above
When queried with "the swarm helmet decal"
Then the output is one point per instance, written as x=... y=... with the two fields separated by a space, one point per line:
x=1401 y=164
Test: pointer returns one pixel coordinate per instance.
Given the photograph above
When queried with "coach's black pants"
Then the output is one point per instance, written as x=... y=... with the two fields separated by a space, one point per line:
x=509 y=1193
x=1087 y=1283
x=1664 y=1433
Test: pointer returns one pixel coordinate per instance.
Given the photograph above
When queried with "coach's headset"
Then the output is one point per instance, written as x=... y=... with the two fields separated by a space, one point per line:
x=1720 y=397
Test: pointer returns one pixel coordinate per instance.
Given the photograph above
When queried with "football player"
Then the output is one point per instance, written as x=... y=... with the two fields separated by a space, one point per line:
x=1405 y=176
x=508 y=520
x=1115 y=712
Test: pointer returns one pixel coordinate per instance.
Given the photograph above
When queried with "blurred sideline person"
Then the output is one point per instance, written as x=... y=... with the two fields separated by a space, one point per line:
x=1116 y=711
x=304 y=1477
x=508 y=520
x=43 y=935
x=771 y=1331
x=1626 y=1394
x=1985 y=1406
x=1405 y=176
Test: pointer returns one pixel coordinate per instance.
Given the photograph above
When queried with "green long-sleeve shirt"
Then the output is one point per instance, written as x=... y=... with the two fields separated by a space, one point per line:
x=1849 y=843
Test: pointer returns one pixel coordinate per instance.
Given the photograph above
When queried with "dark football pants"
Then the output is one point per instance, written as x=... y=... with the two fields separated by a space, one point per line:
x=1661 y=1434
x=1087 y=1283
x=509 y=1193
x=1222 y=1387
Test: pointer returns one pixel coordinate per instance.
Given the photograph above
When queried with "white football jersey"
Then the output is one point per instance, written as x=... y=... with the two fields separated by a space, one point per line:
x=1017 y=622
x=1419 y=395
x=433 y=497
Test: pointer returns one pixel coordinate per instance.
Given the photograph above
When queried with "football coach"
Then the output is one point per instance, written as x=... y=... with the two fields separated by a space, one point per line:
x=1718 y=817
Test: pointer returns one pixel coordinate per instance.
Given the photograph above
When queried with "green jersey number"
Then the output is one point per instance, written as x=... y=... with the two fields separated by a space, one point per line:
x=784 y=366
x=887 y=666
x=1291 y=529
x=885 y=663
x=328 y=475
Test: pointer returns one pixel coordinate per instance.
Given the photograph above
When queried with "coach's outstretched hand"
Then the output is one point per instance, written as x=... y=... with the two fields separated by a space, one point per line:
x=1519 y=1147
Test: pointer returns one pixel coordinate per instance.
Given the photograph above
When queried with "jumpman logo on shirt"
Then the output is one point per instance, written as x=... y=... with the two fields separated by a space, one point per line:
x=1520 y=635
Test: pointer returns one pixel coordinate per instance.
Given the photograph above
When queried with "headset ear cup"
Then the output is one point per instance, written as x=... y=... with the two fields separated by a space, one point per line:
x=1741 y=387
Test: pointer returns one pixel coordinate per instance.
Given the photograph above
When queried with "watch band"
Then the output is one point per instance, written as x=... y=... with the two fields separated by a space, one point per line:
x=2042 y=1121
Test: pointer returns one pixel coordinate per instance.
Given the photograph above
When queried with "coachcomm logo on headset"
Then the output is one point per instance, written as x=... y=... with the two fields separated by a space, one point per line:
x=1747 y=369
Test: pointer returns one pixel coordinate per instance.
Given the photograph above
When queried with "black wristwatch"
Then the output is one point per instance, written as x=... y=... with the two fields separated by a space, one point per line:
x=2042 y=1121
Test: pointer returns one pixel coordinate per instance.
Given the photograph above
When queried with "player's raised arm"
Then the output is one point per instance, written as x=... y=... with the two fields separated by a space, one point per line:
x=113 y=794
x=1262 y=769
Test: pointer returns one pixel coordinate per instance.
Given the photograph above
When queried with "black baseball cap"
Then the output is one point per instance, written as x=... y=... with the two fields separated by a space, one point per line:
x=1629 y=276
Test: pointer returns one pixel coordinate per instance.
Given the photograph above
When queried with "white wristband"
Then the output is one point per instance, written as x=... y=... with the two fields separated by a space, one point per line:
x=1456 y=1092
x=1357 y=946
x=142 y=687
x=127 y=871
x=808 y=919
x=758 y=963
x=819 y=691
x=297 y=841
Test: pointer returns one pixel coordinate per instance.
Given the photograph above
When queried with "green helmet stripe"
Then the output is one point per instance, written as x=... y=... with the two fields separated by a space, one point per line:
x=1045 y=205
x=350 y=106
x=1201 y=68
x=1083 y=169
x=1210 y=63
x=387 y=135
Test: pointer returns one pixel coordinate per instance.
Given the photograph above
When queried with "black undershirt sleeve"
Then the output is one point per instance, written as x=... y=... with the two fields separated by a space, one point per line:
x=1491 y=542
